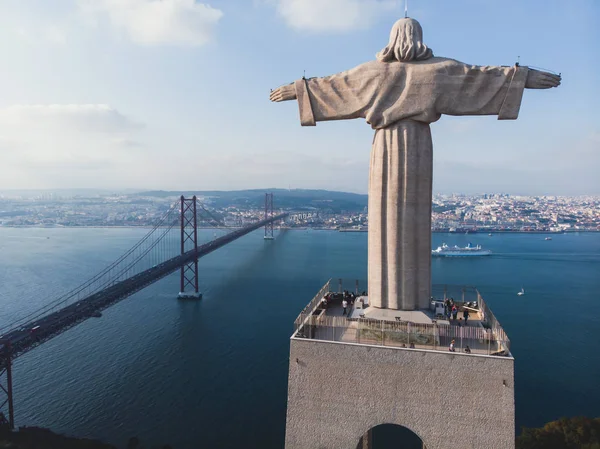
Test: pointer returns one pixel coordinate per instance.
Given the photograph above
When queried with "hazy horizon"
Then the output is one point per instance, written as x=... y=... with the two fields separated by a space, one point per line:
x=130 y=190
x=174 y=94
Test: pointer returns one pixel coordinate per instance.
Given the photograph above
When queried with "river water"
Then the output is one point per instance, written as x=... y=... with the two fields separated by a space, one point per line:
x=213 y=373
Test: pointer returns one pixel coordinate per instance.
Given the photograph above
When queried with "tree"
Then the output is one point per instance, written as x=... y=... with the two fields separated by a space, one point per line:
x=566 y=433
x=133 y=443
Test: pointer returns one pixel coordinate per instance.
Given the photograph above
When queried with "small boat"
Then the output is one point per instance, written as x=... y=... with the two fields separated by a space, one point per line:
x=490 y=234
x=522 y=292
x=548 y=238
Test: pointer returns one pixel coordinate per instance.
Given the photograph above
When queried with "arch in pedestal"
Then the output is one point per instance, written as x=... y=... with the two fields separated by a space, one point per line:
x=390 y=436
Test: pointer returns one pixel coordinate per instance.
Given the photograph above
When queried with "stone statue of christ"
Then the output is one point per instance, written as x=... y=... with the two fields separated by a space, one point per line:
x=399 y=95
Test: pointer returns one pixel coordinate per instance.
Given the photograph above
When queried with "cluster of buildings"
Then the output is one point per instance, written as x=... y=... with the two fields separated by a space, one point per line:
x=451 y=213
x=110 y=210
x=483 y=213
x=113 y=211
x=502 y=212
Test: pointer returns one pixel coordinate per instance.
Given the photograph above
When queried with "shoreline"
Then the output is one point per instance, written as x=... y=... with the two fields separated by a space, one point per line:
x=296 y=229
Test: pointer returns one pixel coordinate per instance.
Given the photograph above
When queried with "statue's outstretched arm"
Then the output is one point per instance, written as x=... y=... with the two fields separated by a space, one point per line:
x=284 y=93
x=536 y=79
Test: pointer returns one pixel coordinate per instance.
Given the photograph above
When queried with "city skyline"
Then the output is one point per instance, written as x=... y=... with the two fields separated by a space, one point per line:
x=312 y=208
x=100 y=95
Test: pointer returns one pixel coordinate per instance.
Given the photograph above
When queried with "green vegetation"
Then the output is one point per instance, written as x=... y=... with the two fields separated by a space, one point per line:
x=39 y=438
x=566 y=433
x=373 y=332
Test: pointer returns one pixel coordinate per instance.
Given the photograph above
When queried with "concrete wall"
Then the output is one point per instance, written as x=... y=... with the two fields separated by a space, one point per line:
x=337 y=392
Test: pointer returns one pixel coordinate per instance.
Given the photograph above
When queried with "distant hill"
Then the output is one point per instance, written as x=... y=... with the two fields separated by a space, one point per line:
x=297 y=199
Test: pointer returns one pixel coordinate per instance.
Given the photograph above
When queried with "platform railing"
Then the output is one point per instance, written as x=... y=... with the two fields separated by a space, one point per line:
x=487 y=339
x=494 y=324
x=311 y=306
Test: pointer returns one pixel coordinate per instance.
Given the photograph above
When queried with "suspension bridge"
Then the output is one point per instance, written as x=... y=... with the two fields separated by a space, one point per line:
x=171 y=245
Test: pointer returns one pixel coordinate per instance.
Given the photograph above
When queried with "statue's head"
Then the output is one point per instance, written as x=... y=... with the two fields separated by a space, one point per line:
x=406 y=43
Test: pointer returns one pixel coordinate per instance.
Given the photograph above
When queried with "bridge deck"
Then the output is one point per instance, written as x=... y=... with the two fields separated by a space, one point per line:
x=32 y=334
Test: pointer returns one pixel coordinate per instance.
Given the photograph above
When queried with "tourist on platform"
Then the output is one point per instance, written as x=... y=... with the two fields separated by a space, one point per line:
x=454 y=312
x=466 y=316
x=451 y=348
x=345 y=306
x=412 y=346
x=468 y=350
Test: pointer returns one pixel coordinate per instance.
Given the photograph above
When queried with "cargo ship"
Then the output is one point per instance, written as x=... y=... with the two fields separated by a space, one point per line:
x=455 y=251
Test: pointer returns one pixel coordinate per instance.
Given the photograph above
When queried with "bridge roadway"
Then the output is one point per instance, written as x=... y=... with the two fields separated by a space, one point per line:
x=24 y=338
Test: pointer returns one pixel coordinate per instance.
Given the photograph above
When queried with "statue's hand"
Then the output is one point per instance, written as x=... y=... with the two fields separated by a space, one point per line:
x=284 y=93
x=537 y=79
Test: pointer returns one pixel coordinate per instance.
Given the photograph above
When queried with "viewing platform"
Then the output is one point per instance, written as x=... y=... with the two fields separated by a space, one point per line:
x=478 y=333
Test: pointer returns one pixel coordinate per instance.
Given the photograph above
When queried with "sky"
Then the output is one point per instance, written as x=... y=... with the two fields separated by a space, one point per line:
x=174 y=94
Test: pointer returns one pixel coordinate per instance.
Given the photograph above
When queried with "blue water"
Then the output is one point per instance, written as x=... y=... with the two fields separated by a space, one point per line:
x=214 y=373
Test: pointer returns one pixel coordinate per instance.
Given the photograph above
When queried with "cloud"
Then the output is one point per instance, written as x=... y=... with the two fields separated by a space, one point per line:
x=33 y=24
x=55 y=143
x=52 y=34
x=334 y=15
x=67 y=117
x=155 y=22
x=594 y=137
x=301 y=170
x=568 y=168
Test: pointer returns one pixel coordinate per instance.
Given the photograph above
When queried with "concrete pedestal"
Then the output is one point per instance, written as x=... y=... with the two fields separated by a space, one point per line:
x=337 y=392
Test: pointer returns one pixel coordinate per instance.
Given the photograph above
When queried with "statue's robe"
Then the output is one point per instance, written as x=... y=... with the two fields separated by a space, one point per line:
x=399 y=100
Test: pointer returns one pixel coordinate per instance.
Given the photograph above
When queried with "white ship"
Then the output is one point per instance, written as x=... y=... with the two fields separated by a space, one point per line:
x=455 y=251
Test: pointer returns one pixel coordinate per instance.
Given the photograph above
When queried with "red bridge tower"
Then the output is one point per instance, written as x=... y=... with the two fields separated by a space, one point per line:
x=189 y=241
x=269 y=214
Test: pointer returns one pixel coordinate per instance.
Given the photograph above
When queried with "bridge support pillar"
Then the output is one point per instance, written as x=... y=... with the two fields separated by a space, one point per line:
x=269 y=214
x=189 y=241
x=7 y=390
